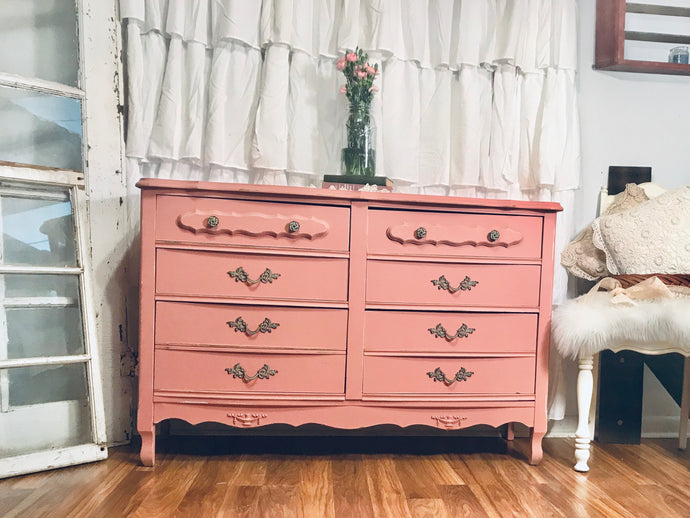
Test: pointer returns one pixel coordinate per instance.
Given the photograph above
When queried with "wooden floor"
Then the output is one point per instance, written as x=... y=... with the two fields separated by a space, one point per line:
x=357 y=478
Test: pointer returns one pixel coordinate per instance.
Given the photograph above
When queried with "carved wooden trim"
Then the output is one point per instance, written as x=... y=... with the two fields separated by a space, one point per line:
x=456 y=235
x=253 y=224
x=247 y=420
x=448 y=422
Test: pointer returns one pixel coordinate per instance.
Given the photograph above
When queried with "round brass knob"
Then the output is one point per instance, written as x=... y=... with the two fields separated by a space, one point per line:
x=420 y=233
x=212 y=221
x=293 y=226
x=494 y=235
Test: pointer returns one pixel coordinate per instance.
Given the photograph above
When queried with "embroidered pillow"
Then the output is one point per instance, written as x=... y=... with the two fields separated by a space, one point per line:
x=653 y=237
x=581 y=257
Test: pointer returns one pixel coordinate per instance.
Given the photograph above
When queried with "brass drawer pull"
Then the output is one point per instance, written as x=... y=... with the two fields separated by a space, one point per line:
x=438 y=375
x=212 y=221
x=240 y=275
x=420 y=233
x=440 y=332
x=442 y=284
x=263 y=373
x=293 y=227
x=240 y=326
x=494 y=235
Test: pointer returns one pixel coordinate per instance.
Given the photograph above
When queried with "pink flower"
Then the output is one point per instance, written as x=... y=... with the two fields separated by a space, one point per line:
x=340 y=64
x=370 y=70
x=351 y=57
x=374 y=89
x=361 y=74
x=343 y=90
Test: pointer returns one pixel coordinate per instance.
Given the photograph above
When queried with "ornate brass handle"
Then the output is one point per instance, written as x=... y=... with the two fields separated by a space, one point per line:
x=263 y=373
x=240 y=275
x=240 y=326
x=438 y=375
x=442 y=284
x=420 y=233
x=212 y=221
x=440 y=332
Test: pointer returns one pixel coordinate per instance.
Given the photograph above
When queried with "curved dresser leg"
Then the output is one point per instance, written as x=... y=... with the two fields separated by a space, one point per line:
x=536 y=452
x=584 y=400
x=148 y=446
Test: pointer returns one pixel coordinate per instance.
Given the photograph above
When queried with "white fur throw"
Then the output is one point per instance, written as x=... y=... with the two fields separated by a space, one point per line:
x=582 y=329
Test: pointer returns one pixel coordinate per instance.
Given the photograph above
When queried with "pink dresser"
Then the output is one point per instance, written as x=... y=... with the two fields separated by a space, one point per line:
x=263 y=304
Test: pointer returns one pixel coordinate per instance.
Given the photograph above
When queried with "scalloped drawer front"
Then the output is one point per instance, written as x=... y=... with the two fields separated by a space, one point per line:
x=233 y=372
x=453 y=284
x=450 y=333
x=214 y=221
x=455 y=376
x=221 y=274
x=473 y=235
x=192 y=324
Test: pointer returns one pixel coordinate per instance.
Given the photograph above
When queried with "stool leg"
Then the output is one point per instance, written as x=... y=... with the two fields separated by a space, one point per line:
x=584 y=400
x=684 y=407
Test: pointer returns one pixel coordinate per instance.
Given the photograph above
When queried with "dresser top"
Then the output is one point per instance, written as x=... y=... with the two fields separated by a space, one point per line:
x=318 y=195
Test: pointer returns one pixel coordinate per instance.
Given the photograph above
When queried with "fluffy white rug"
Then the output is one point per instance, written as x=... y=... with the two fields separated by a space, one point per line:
x=582 y=329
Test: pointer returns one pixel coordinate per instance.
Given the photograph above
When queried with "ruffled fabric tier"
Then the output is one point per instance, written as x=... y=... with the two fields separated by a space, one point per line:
x=476 y=97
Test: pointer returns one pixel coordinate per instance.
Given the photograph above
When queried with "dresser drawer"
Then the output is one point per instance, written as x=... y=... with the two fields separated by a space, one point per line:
x=452 y=234
x=453 y=284
x=189 y=323
x=252 y=223
x=450 y=333
x=213 y=372
x=386 y=375
x=221 y=274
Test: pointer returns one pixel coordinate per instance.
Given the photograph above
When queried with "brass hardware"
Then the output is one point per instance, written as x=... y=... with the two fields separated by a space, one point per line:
x=466 y=285
x=212 y=221
x=240 y=275
x=420 y=233
x=240 y=326
x=293 y=226
x=263 y=373
x=247 y=420
x=448 y=421
x=494 y=235
x=440 y=332
x=461 y=375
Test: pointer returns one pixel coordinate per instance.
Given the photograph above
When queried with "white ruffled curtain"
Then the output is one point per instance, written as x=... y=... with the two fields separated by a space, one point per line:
x=477 y=97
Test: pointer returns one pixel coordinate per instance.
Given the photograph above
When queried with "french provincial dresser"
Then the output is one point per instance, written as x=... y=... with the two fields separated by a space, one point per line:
x=266 y=304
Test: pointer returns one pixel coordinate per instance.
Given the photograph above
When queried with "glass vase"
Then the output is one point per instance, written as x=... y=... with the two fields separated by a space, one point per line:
x=359 y=157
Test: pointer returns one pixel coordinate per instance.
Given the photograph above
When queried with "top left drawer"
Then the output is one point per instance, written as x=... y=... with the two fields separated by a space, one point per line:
x=216 y=221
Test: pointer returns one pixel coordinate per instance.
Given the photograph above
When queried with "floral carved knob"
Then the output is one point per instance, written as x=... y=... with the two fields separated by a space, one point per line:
x=420 y=233
x=293 y=226
x=212 y=221
x=494 y=235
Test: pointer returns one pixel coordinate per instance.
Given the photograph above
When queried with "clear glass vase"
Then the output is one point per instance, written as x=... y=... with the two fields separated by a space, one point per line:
x=359 y=157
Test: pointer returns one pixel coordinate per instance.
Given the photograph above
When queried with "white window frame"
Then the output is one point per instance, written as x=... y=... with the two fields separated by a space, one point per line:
x=97 y=194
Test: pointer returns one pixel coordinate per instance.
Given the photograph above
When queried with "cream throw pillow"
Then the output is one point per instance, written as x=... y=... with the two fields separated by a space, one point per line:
x=581 y=257
x=653 y=237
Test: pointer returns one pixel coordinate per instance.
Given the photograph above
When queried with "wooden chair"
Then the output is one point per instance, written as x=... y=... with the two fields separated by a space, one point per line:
x=573 y=314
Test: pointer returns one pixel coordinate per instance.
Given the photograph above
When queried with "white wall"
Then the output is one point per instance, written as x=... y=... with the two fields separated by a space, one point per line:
x=629 y=119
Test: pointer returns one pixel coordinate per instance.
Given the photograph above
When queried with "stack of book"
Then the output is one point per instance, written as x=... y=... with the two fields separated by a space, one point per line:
x=357 y=183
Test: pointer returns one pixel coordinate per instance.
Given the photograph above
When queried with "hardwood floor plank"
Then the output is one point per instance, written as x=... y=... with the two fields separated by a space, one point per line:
x=461 y=501
x=240 y=502
x=387 y=493
x=279 y=502
x=316 y=488
x=351 y=497
x=428 y=508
